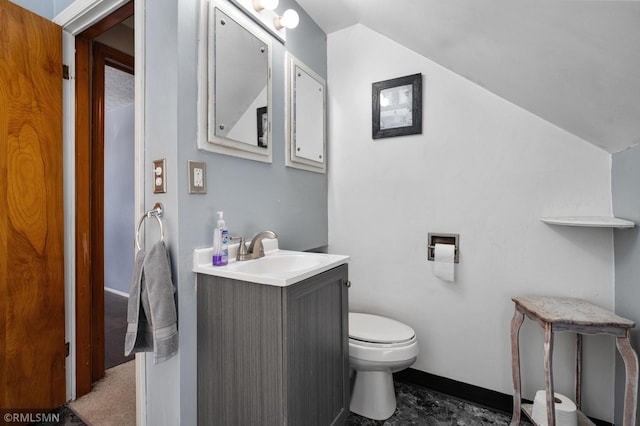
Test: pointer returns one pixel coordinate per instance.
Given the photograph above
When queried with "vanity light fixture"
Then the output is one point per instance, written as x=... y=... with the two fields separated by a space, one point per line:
x=289 y=19
x=260 y=5
x=264 y=14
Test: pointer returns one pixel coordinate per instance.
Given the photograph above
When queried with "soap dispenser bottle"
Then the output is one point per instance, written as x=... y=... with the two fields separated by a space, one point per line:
x=220 y=242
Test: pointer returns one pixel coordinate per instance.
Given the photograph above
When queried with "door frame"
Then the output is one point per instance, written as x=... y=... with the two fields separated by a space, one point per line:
x=77 y=17
x=102 y=56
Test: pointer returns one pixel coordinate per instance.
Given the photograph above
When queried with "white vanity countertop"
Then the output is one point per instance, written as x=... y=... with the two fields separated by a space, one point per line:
x=279 y=267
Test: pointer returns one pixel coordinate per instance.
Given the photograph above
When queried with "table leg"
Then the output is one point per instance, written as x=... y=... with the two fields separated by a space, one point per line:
x=548 y=374
x=578 y=370
x=631 y=383
x=516 y=322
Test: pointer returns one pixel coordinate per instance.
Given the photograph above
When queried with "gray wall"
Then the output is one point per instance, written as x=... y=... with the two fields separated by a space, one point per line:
x=625 y=175
x=254 y=196
x=119 y=197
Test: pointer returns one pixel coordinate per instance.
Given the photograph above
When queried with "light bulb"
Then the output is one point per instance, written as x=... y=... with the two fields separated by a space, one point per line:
x=259 y=5
x=289 y=19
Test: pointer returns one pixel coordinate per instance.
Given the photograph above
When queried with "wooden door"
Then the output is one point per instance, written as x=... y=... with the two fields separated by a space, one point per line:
x=32 y=340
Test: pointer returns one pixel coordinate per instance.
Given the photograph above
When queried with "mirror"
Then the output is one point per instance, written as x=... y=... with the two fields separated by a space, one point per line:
x=239 y=86
x=306 y=117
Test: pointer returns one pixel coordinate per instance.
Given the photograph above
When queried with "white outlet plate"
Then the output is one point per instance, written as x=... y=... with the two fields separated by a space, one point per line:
x=197 y=177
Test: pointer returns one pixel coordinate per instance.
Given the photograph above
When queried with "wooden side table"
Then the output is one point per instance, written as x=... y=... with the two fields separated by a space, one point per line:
x=556 y=314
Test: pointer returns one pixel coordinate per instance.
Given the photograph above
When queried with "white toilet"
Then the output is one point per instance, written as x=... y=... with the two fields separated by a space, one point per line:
x=378 y=347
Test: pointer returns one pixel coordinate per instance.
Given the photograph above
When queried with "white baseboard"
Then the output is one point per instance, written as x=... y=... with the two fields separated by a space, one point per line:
x=118 y=292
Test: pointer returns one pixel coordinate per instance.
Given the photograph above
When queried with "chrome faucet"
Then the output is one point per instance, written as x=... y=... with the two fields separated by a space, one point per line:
x=255 y=250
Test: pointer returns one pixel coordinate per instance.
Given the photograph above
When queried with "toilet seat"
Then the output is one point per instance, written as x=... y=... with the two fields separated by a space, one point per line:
x=370 y=330
x=362 y=343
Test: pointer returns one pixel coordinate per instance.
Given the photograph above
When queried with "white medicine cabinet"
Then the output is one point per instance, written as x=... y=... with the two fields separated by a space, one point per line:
x=235 y=106
x=306 y=146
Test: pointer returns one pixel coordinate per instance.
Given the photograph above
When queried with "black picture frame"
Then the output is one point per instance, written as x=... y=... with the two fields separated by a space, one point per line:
x=397 y=107
x=262 y=121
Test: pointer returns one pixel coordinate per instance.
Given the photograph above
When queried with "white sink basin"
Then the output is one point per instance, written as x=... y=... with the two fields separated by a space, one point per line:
x=278 y=262
x=277 y=267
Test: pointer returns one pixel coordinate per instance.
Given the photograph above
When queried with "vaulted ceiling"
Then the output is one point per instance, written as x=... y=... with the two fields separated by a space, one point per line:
x=573 y=63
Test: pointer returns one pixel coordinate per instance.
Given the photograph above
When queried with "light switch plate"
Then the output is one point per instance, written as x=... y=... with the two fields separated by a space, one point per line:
x=160 y=176
x=197 y=177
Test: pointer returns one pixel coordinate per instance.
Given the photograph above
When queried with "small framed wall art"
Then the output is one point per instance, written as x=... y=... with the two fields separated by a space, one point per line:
x=397 y=107
x=262 y=121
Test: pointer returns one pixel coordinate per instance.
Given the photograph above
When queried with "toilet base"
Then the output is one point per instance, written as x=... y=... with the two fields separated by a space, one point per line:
x=373 y=395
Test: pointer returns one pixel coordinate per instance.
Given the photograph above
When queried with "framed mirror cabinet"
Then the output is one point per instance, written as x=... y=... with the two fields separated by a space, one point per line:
x=237 y=112
x=305 y=117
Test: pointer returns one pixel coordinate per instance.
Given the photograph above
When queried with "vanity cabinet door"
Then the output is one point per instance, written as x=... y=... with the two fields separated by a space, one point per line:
x=316 y=353
x=239 y=353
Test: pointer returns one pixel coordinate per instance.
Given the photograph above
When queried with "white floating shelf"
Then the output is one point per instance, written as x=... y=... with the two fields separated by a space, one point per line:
x=589 y=221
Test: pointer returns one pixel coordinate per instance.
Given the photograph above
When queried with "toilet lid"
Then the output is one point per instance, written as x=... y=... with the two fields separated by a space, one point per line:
x=377 y=329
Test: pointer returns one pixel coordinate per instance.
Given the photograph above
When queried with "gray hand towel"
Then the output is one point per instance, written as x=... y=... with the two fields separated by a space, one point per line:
x=137 y=336
x=154 y=327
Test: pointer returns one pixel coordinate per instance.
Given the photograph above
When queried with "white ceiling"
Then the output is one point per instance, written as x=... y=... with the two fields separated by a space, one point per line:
x=573 y=63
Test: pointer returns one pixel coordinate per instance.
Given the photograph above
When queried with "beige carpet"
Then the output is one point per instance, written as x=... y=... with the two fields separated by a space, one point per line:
x=112 y=400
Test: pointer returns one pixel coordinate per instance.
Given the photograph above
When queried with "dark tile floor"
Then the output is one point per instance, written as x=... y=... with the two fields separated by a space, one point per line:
x=419 y=406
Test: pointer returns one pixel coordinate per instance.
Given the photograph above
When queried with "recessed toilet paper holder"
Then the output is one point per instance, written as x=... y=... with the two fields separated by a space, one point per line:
x=439 y=238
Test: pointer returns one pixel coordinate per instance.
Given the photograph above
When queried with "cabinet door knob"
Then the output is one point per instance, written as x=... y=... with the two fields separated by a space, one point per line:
x=347 y=283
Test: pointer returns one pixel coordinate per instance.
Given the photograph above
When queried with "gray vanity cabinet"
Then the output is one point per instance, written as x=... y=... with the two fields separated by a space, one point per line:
x=270 y=355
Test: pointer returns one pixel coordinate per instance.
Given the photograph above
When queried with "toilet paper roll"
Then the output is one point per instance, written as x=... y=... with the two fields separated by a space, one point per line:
x=443 y=261
x=566 y=410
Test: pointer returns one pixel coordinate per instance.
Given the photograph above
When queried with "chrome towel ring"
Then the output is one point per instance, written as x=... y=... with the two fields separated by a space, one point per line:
x=156 y=212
